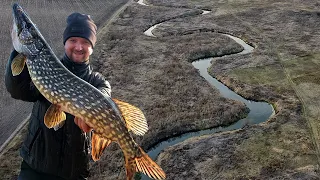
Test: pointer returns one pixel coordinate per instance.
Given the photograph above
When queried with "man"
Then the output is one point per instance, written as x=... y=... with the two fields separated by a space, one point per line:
x=63 y=152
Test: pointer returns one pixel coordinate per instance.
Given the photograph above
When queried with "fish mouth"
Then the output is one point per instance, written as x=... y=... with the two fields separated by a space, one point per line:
x=26 y=31
x=20 y=18
x=17 y=13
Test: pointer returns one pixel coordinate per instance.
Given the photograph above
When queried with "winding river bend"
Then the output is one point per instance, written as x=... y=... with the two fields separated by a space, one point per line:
x=259 y=111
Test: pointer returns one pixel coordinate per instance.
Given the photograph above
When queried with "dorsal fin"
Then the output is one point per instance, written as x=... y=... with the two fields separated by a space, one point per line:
x=133 y=116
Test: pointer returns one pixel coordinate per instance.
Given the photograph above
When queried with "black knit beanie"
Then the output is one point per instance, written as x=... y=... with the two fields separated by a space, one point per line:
x=80 y=25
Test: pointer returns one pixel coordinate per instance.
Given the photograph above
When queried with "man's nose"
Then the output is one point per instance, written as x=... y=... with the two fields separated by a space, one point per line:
x=78 y=46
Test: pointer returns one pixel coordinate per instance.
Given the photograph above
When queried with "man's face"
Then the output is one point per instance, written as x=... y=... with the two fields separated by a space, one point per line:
x=78 y=49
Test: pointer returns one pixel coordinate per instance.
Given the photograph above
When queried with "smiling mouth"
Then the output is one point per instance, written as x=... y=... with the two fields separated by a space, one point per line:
x=78 y=53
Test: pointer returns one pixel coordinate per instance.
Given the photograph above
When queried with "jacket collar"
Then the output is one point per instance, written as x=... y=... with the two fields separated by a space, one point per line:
x=79 y=69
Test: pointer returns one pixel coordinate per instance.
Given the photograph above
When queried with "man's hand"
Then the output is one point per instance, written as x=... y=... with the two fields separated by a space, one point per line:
x=82 y=125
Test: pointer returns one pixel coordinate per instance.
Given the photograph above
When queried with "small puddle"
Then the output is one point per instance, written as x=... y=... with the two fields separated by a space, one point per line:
x=205 y=12
x=149 y=31
x=141 y=2
x=259 y=111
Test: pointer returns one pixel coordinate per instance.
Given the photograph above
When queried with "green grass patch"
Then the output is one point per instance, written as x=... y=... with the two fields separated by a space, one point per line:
x=270 y=151
x=308 y=78
x=258 y=151
x=304 y=69
x=259 y=75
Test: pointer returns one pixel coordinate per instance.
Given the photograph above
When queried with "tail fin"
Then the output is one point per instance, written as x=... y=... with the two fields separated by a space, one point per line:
x=144 y=164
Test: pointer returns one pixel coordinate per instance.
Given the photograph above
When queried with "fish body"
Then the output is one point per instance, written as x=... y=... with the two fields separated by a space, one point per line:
x=110 y=118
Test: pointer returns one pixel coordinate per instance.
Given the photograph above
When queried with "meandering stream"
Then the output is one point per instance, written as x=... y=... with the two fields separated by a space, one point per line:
x=259 y=111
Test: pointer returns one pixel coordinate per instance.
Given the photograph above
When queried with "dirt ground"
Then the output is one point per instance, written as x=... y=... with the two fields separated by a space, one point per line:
x=156 y=75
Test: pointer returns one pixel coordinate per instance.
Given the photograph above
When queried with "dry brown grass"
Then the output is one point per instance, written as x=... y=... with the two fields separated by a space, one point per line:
x=10 y=157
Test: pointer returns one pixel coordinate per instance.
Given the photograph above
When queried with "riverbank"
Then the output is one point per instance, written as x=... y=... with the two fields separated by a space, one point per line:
x=279 y=148
x=156 y=75
x=285 y=146
x=163 y=83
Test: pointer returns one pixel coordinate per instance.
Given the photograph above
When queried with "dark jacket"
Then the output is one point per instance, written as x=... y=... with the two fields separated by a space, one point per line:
x=64 y=152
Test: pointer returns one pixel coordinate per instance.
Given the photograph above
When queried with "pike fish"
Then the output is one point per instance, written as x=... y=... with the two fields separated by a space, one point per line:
x=111 y=119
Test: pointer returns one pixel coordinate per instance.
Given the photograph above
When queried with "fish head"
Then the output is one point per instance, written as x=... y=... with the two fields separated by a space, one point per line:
x=26 y=37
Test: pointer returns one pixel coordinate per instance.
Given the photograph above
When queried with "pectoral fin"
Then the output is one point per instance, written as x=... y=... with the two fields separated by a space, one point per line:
x=54 y=116
x=98 y=144
x=17 y=64
x=135 y=120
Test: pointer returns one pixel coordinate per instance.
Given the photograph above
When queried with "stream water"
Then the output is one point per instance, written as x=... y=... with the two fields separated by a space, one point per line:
x=259 y=111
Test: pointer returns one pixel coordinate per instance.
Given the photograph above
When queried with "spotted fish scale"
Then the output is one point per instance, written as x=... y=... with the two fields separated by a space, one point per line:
x=59 y=86
x=111 y=119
